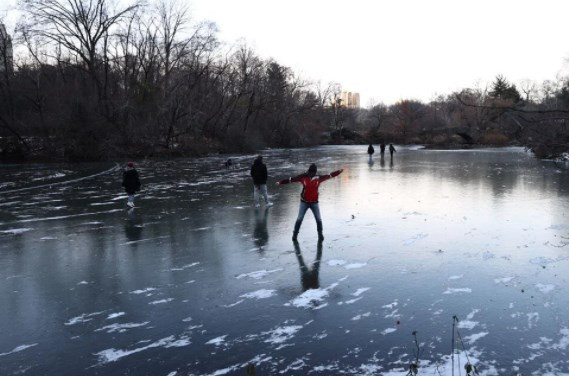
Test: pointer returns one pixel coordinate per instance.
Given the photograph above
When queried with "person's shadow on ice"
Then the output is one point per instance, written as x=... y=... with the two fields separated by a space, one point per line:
x=309 y=277
x=133 y=226
x=261 y=233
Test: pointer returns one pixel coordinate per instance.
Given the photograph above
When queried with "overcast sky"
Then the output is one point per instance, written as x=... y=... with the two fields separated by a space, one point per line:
x=389 y=50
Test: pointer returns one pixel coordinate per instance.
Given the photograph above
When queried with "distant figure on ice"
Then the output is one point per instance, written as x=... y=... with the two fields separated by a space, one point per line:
x=259 y=175
x=391 y=150
x=370 y=151
x=228 y=163
x=309 y=277
x=309 y=197
x=130 y=182
x=382 y=149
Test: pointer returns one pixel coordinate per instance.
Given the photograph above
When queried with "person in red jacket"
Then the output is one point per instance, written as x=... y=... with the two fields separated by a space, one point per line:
x=309 y=197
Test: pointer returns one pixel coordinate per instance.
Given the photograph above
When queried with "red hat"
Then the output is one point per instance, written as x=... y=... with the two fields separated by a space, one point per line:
x=130 y=164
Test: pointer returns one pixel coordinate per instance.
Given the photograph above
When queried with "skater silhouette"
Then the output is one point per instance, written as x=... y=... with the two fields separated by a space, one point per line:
x=391 y=150
x=370 y=151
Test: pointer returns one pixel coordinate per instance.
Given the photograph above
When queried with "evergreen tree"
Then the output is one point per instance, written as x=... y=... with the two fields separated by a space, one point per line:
x=563 y=94
x=502 y=89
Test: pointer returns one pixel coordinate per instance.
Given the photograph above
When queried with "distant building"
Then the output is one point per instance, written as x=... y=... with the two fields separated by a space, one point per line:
x=350 y=100
x=6 y=53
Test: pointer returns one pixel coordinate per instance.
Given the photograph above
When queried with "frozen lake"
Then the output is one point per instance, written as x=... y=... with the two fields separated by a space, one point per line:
x=196 y=281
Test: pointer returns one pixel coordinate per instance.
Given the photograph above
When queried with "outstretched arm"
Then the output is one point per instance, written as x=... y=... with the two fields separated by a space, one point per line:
x=330 y=175
x=291 y=180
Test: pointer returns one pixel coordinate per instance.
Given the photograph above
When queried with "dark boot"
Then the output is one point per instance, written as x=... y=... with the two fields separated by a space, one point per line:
x=295 y=236
x=319 y=228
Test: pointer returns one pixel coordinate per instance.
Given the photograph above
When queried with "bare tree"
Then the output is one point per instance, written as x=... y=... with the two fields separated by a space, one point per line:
x=81 y=26
x=529 y=88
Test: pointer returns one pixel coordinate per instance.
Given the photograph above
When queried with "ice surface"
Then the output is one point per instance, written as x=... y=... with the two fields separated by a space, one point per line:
x=480 y=234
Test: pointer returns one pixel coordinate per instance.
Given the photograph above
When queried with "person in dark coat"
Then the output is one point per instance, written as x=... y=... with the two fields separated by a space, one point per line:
x=259 y=175
x=382 y=149
x=370 y=151
x=131 y=183
x=391 y=150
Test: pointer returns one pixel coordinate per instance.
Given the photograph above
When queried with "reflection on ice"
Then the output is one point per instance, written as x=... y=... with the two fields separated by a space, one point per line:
x=477 y=234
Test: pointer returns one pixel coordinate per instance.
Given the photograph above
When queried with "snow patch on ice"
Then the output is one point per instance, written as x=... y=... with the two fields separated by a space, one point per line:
x=234 y=304
x=454 y=277
x=467 y=324
x=16 y=231
x=216 y=341
x=390 y=305
x=475 y=337
x=360 y=291
x=161 y=301
x=113 y=355
x=359 y=317
x=503 y=280
x=258 y=274
x=143 y=291
x=185 y=267
x=311 y=298
x=259 y=294
x=470 y=316
x=83 y=318
x=563 y=343
x=355 y=265
x=545 y=289
x=281 y=334
x=18 y=349
x=461 y=290
x=337 y=262
x=351 y=301
x=388 y=330
x=533 y=318
x=121 y=328
x=115 y=315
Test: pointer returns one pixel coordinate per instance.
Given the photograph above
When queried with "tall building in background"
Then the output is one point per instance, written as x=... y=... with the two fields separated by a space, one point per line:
x=350 y=100
x=6 y=53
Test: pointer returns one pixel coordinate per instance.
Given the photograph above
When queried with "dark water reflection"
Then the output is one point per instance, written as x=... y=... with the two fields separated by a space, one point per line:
x=196 y=281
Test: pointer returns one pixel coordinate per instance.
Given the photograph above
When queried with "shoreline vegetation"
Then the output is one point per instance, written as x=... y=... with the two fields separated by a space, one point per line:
x=145 y=82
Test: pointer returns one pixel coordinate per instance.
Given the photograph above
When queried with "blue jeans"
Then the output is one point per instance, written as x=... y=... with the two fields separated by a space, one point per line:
x=304 y=206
